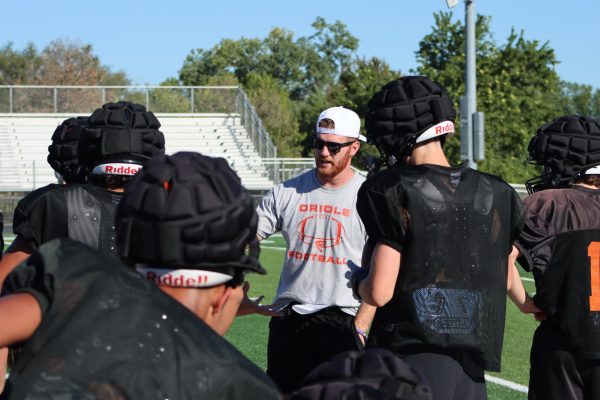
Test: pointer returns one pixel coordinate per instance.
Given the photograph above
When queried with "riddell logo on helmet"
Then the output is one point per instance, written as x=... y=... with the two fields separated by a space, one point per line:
x=117 y=169
x=444 y=129
x=183 y=277
x=130 y=170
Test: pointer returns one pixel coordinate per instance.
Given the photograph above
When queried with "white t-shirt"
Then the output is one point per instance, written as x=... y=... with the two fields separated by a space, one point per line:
x=324 y=241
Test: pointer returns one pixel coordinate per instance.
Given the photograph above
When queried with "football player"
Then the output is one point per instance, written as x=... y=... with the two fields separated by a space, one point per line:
x=149 y=326
x=116 y=140
x=442 y=237
x=560 y=244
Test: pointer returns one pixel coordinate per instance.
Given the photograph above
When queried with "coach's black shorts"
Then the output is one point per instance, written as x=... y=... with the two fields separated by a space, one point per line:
x=298 y=343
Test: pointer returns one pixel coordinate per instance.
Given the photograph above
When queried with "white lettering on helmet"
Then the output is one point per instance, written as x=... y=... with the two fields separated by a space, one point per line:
x=443 y=128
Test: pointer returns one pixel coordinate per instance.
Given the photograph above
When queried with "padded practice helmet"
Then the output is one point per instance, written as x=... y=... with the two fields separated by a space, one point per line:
x=119 y=138
x=375 y=374
x=568 y=148
x=185 y=213
x=63 y=156
x=407 y=111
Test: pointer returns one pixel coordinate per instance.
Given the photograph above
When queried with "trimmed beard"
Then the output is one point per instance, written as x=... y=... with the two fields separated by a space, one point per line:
x=335 y=167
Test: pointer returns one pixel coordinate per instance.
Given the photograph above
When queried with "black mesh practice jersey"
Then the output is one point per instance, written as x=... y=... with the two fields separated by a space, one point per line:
x=85 y=213
x=560 y=244
x=108 y=333
x=454 y=228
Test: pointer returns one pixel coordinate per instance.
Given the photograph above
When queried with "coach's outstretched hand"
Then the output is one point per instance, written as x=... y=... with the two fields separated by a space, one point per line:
x=249 y=306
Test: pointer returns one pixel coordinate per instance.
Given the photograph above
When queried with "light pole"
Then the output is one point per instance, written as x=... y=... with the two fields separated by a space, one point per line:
x=472 y=122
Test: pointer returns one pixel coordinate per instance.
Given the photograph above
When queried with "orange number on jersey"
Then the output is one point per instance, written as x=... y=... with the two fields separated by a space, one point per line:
x=594 y=254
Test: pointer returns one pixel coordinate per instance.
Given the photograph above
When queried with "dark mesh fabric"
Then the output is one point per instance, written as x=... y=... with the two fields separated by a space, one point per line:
x=567 y=146
x=375 y=374
x=454 y=228
x=188 y=210
x=84 y=212
x=63 y=156
x=556 y=244
x=107 y=332
x=402 y=110
x=121 y=131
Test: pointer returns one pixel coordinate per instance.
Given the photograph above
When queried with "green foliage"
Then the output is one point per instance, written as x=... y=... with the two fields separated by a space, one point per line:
x=291 y=80
x=517 y=88
x=62 y=62
x=16 y=67
x=580 y=99
x=271 y=101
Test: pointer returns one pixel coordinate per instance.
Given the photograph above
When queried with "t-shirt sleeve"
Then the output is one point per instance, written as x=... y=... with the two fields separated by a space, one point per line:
x=40 y=217
x=268 y=216
x=535 y=241
x=32 y=277
x=517 y=216
x=380 y=210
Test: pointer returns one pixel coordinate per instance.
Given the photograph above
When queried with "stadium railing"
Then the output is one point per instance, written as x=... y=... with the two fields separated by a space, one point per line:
x=81 y=100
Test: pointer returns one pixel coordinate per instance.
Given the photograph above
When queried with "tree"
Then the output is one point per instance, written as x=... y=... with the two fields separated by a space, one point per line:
x=62 y=62
x=302 y=65
x=17 y=67
x=580 y=99
x=517 y=88
x=277 y=111
x=291 y=80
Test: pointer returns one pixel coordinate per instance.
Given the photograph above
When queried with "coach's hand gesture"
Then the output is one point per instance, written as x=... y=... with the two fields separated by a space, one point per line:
x=249 y=306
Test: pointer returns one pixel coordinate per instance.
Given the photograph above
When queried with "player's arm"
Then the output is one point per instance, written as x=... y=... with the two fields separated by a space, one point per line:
x=20 y=315
x=514 y=286
x=366 y=312
x=377 y=289
x=18 y=252
x=23 y=314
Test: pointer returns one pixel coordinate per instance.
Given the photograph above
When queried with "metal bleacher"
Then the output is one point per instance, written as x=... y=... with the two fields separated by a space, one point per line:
x=24 y=140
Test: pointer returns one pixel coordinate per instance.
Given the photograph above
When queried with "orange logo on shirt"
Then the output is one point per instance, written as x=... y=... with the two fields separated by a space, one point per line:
x=307 y=225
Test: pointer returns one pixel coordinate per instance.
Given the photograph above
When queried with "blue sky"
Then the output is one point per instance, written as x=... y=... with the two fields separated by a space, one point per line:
x=149 y=40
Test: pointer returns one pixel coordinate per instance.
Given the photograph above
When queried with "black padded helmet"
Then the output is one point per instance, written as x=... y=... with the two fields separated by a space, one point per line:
x=375 y=374
x=63 y=156
x=120 y=133
x=568 y=147
x=407 y=111
x=188 y=212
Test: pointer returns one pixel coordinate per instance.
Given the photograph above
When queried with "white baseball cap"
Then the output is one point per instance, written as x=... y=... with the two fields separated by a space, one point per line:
x=347 y=123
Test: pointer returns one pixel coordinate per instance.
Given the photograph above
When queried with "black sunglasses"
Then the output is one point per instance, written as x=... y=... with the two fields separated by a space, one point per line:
x=333 y=147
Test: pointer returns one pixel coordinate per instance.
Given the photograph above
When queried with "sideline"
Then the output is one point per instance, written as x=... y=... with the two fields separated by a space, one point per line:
x=508 y=384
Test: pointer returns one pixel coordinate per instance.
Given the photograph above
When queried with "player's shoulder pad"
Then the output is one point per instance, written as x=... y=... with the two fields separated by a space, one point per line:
x=38 y=195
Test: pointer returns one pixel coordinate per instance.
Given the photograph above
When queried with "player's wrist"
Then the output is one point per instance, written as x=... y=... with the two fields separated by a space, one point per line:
x=361 y=332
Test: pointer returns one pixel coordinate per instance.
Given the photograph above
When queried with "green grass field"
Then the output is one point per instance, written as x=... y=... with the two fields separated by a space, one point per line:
x=250 y=333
